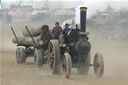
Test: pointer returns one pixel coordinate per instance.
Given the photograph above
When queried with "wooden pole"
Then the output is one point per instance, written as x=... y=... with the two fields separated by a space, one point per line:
x=30 y=35
x=15 y=35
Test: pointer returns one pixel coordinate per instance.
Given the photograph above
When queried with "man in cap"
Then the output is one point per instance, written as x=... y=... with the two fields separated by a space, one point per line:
x=57 y=30
x=66 y=29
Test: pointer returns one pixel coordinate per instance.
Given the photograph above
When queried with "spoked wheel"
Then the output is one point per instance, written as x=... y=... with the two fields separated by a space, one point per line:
x=98 y=65
x=20 y=55
x=54 y=56
x=85 y=69
x=38 y=57
x=67 y=64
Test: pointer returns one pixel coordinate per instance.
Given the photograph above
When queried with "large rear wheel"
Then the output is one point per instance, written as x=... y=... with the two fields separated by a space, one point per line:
x=54 y=56
x=98 y=65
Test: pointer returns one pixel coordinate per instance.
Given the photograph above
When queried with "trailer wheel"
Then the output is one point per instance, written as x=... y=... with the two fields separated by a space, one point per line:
x=54 y=56
x=98 y=65
x=38 y=57
x=20 y=55
x=67 y=65
x=85 y=69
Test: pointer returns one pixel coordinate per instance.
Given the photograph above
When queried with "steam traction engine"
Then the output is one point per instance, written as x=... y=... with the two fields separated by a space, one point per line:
x=74 y=51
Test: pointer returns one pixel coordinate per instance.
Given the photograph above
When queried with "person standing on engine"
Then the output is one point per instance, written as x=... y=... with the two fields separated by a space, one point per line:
x=57 y=30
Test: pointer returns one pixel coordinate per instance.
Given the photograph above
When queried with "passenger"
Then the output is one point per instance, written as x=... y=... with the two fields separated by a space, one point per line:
x=66 y=32
x=66 y=29
x=57 y=30
x=72 y=25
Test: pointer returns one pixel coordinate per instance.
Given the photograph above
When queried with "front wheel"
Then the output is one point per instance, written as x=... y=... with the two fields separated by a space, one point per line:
x=67 y=65
x=98 y=65
x=20 y=55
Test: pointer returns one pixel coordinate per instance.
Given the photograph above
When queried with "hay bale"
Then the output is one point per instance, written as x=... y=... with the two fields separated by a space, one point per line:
x=38 y=41
x=28 y=40
x=34 y=32
x=20 y=39
x=42 y=37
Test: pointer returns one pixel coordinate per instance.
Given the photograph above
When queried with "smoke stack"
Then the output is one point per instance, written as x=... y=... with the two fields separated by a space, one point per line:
x=83 y=19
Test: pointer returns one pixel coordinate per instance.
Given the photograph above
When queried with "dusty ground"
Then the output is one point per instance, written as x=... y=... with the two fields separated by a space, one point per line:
x=116 y=70
x=115 y=58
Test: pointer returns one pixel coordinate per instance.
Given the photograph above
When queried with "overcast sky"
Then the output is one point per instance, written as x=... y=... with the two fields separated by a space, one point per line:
x=7 y=3
x=42 y=0
x=65 y=0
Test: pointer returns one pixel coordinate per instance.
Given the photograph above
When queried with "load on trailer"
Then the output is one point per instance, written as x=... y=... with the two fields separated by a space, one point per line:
x=32 y=43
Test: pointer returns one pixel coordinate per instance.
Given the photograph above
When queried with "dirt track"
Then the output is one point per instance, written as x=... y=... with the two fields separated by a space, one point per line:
x=115 y=58
x=116 y=70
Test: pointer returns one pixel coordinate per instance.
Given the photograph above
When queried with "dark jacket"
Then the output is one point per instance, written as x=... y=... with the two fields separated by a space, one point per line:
x=66 y=30
x=56 y=32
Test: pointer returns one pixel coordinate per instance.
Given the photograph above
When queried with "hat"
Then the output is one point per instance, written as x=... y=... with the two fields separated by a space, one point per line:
x=66 y=24
x=56 y=23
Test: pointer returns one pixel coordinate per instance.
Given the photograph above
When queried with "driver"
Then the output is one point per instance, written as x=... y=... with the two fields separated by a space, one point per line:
x=57 y=30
